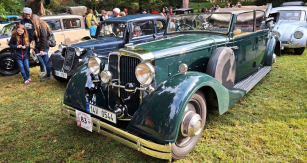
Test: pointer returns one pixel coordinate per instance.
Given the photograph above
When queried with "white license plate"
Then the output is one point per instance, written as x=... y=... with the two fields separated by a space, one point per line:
x=61 y=74
x=107 y=115
x=84 y=120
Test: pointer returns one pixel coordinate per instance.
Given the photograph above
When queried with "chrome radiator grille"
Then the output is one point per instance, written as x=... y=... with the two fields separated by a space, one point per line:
x=127 y=66
x=69 y=58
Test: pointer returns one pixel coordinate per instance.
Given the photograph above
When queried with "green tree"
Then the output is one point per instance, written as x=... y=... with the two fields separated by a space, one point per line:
x=10 y=7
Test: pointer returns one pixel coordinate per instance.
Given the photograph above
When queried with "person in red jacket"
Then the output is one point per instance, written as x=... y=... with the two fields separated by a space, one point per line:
x=154 y=11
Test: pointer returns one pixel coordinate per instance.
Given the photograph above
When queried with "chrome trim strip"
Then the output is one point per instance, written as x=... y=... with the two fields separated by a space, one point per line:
x=145 y=146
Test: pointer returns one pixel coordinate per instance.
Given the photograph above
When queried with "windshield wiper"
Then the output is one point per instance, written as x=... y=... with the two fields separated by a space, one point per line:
x=284 y=17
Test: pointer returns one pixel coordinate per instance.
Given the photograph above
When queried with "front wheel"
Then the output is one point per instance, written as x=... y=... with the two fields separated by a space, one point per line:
x=192 y=125
x=299 y=51
x=8 y=65
x=62 y=80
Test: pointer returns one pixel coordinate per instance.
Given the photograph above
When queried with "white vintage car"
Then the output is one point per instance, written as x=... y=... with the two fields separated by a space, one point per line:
x=291 y=25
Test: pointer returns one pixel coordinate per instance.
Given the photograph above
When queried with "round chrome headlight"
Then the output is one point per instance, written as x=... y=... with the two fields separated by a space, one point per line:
x=79 y=51
x=61 y=47
x=144 y=73
x=298 y=34
x=94 y=65
x=276 y=33
x=105 y=76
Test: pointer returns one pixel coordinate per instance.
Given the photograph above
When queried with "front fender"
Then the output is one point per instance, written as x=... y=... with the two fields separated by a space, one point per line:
x=80 y=90
x=159 y=116
x=56 y=60
x=273 y=46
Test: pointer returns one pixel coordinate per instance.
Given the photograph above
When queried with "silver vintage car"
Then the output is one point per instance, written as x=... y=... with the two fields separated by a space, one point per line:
x=291 y=25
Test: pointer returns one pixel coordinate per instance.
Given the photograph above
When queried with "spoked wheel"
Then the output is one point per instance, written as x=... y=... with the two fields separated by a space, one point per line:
x=192 y=125
x=8 y=65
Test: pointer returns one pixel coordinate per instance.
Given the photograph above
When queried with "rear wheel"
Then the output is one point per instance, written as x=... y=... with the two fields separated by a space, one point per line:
x=299 y=51
x=194 y=115
x=62 y=80
x=8 y=65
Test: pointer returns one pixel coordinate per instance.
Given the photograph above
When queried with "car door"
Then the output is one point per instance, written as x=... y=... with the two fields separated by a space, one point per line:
x=261 y=39
x=57 y=30
x=244 y=39
x=142 y=31
x=72 y=26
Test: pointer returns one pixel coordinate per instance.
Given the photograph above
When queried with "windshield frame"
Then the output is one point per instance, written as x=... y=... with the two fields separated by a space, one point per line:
x=103 y=23
x=302 y=14
x=200 y=31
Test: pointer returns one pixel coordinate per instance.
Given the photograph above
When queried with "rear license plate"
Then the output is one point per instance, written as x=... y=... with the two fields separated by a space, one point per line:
x=61 y=74
x=84 y=120
x=107 y=115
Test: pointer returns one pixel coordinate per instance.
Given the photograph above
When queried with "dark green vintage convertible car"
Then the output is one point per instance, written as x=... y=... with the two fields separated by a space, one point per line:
x=154 y=96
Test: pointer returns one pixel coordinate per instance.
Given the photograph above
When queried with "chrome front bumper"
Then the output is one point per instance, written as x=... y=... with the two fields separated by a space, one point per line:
x=137 y=143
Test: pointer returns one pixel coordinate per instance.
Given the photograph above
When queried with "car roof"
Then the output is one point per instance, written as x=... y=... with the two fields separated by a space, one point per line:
x=60 y=16
x=289 y=8
x=294 y=3
x=12 y=16
x=138 y=17
x=183 y=9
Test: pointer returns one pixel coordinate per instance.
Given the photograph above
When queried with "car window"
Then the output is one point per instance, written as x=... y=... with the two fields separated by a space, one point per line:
x=217 y=22
x=71 y=23
x=55 y=25
x=7 y=30
x=113 y=29
x=143 y=28
x=160 y=26
x=290 y=15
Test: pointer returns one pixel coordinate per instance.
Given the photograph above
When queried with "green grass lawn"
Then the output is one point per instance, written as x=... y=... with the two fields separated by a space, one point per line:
x=269 y=124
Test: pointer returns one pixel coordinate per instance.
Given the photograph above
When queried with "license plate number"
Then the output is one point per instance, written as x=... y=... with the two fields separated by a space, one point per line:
x=84 y=120
x=107 y=115
x=61 y=74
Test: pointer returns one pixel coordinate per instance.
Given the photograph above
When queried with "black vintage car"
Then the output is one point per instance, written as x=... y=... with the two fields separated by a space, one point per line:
x=113 y=34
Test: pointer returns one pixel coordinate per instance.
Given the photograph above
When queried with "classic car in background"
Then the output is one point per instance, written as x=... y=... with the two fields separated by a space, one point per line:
x=67 y=29
x=112 y=34
x=76 y=10
x=8 y=19
x=291 y=25
x=154 y=96
x=183 y=11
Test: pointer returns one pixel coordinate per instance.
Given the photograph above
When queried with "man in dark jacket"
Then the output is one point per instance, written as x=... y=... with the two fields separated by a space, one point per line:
x=27 y=22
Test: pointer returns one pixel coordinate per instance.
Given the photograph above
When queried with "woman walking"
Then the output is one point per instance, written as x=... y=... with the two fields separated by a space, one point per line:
x=19 y=44
x=41 y=34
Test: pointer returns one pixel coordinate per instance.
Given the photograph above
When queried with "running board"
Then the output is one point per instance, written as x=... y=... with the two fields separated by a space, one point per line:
x=251 y=81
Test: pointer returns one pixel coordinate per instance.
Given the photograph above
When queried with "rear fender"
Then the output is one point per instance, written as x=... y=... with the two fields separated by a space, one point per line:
x=159 y=116
x=80 y=90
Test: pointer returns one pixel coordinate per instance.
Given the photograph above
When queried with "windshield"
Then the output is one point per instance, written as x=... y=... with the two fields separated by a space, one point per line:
x=217 y=23
x=113 y=29
x=290 y=15
x=6 y=30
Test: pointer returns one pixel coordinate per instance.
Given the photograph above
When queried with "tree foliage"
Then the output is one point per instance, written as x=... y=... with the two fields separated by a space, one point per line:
x=10 y=7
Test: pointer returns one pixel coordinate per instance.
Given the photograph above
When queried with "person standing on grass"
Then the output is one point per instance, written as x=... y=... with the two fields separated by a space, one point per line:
x=90 y=18
x=93 y=29
x=27 y=22
x=41 y=33
x=19 y=44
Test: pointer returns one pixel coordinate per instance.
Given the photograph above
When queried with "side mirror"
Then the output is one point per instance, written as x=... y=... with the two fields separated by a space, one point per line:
x=154 y=36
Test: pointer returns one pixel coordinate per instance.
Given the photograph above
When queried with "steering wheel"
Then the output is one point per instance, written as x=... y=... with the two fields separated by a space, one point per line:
x=181 y=28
